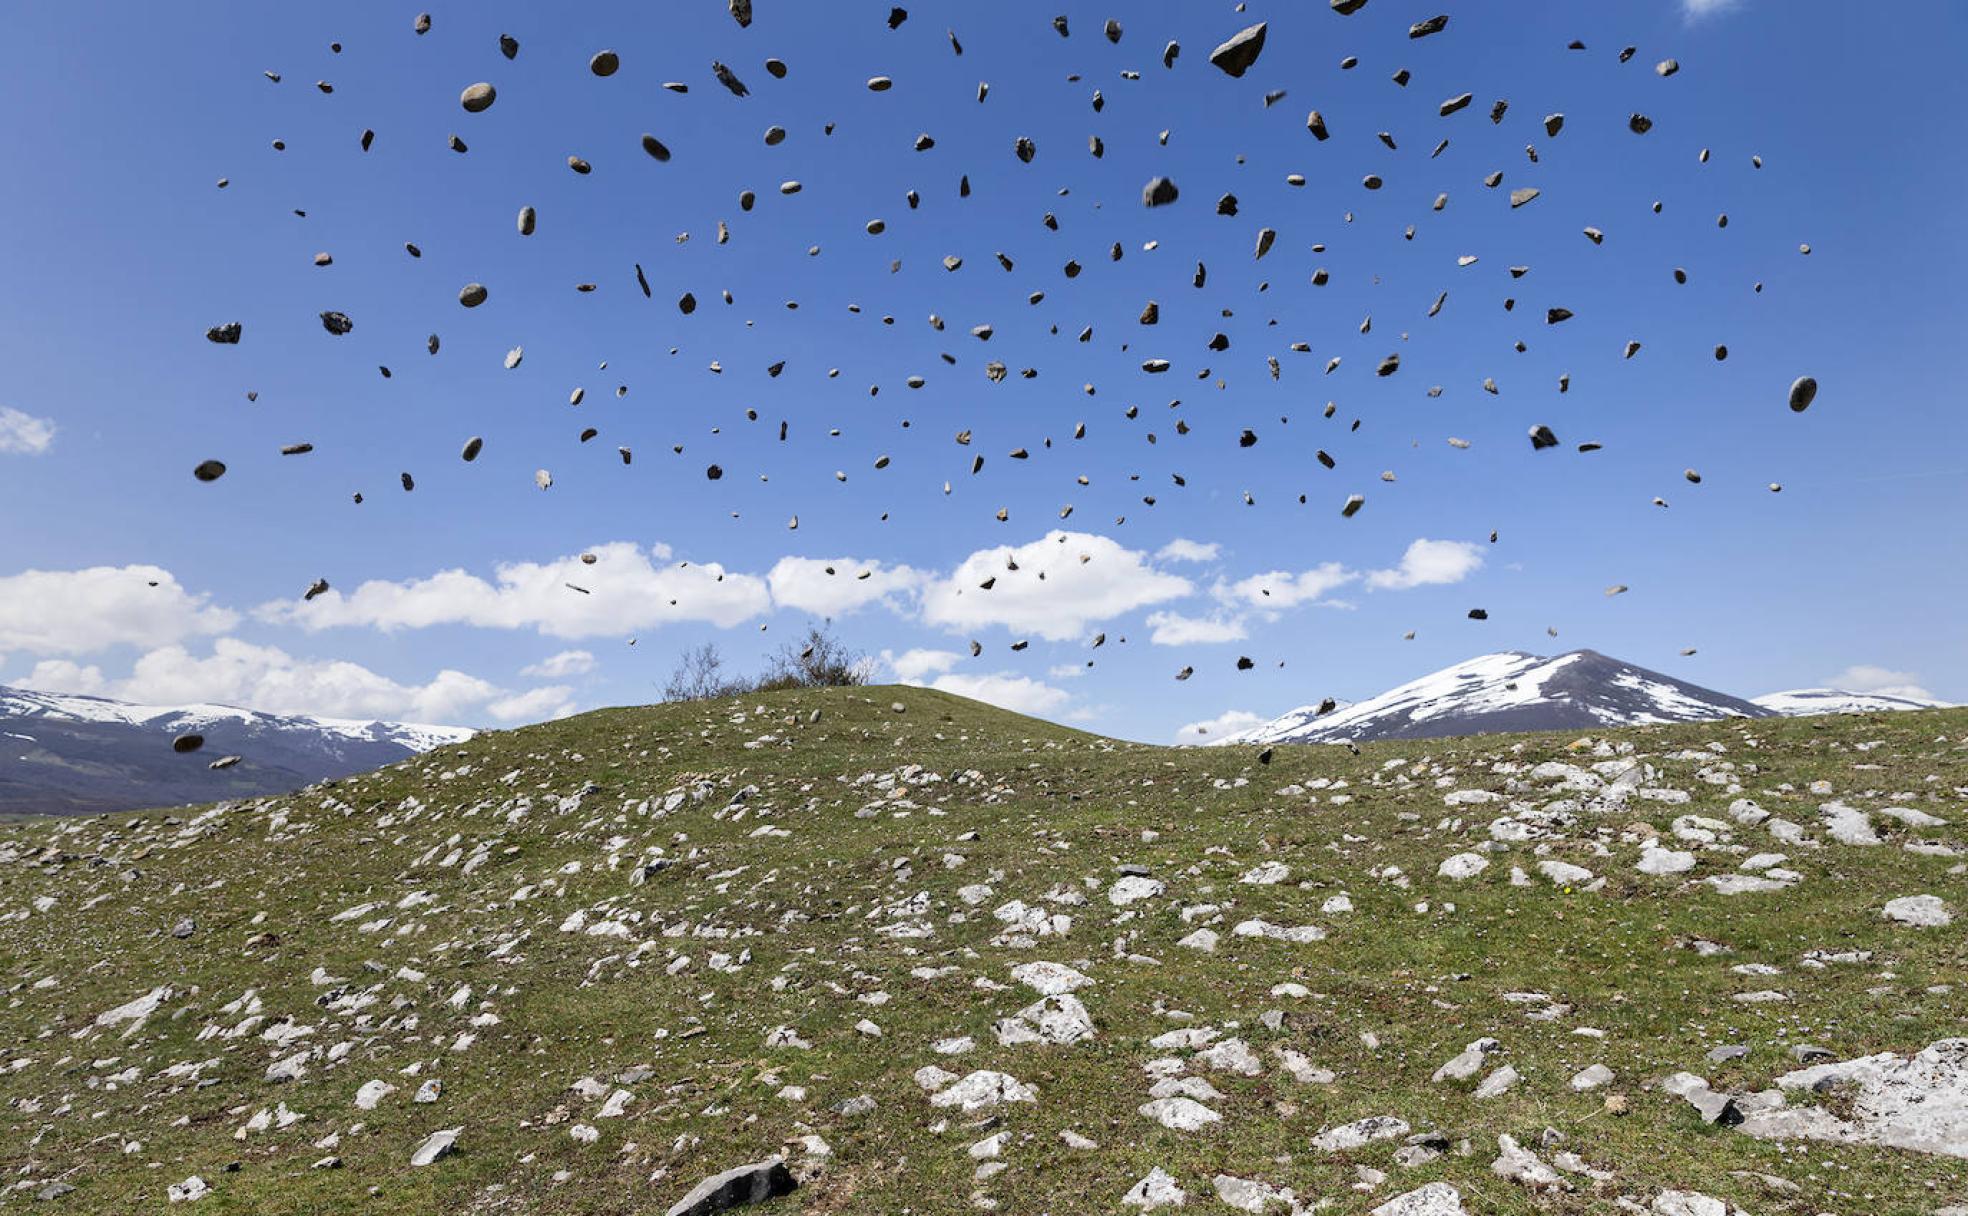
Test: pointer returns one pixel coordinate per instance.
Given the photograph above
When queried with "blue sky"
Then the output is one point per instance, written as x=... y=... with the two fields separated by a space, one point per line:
x=450 y=602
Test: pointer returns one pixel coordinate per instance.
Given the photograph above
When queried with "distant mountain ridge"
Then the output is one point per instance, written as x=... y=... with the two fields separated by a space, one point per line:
x=1514 y=691
x=1509 y=691
x=1799 y=702
x=63 y=753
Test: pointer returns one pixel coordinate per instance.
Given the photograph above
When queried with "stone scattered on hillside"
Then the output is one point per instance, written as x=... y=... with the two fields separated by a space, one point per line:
x=435 y=1146
x=1920 y=911
x=740 y=1186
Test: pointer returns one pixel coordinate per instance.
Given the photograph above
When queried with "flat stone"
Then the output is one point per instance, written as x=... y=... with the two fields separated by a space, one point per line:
x=1249 y=1195
x=1155 y=1190
x=984 y=1088
x=1180 y=1114
x=1743 y=884
x=1687 y=1203
x=1661 y=862
x=1049 y=979
x=1461 y=866
x=1564 y=873
x=1918 y=1103
x=1134 y=889
x=1435 y=1199
x=1467 y=1062
x=1498 y=1083
x=1920 y=911
x=1520 y=1165
x=436 y=1145
x=1361 y=1131
x=740 y=1186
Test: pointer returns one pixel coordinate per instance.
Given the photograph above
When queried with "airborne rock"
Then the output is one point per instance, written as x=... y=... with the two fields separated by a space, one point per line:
x=1237 y=53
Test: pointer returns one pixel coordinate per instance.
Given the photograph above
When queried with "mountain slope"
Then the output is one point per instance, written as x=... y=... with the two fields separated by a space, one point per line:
x=1800 y=701
x=1508 y=691
x=67 y=754
x=950 y=960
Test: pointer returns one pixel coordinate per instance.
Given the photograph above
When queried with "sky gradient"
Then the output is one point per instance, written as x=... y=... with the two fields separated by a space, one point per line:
x=451 y=602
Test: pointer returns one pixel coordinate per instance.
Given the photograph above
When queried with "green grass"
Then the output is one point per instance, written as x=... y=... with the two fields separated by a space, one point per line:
x=1052 y=810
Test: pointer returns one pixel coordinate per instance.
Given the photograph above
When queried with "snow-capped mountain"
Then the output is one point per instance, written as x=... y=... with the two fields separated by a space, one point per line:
x=62 y=753
x=1509 y=691
x=1802 y=701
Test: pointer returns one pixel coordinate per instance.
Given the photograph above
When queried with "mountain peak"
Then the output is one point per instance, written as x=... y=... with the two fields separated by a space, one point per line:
x=1510 y=690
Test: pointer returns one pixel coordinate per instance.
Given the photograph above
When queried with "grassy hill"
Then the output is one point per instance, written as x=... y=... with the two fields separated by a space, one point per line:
x=641 y=946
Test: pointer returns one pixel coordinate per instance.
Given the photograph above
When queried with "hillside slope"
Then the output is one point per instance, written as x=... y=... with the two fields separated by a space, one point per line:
x=63 y=754
x=943 y=959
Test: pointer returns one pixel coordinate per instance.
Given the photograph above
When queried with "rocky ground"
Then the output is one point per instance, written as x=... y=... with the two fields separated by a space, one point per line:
x=934 y=958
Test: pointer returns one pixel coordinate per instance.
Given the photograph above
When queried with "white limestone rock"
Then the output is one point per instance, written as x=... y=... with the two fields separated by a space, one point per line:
x=1920 y=911
x=1458 y=867
x=983 y=1089
x=1468 y=1062
x=1133 y=889
x=437 y=1145
x=1521 y=1166
x=1156 y=1190
x=1180 y=1114
x=1917 y=1103
x=1359 y=1132
x=1435 y=1199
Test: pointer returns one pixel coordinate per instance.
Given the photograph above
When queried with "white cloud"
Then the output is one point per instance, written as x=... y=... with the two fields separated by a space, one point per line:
x=66 y=612
x=1863 y=677
x=1429 y=563
x=1223 y=724
x=912 y=665
x=838 y=587
x=64 y=675
x=1278 y=589
x=1425 y=563
x=1066 y=671
x=623 y=590
x=1695 y=10
x=1020 y=694
x=1054 y=587
x=561 y=666
x=534 y=705
x=267 y=678
x=1174 y=629
x=24 y=434
x=1183 y=550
